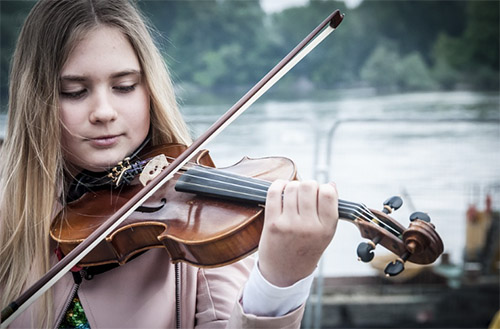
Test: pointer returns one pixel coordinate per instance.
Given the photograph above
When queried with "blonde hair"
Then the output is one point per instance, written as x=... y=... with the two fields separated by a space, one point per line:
x=32 y=164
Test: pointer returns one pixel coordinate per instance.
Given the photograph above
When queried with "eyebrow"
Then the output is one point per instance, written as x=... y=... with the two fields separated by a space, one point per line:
x=82 y=78
x=125 y=73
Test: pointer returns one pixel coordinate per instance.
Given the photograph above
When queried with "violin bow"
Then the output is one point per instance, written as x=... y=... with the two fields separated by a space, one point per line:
x=310 y=42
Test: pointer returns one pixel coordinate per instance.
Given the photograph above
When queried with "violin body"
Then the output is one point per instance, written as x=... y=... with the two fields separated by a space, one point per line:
x=203 y=231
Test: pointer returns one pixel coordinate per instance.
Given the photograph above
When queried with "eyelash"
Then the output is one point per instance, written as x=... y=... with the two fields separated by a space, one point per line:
x=74 y=94
x=125 y=89
x=78 y=94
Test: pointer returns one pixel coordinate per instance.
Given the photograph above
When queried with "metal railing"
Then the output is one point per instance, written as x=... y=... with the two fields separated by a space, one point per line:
x=313 y=313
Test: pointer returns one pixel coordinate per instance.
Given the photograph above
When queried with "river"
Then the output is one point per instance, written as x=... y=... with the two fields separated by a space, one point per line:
x=439 y=151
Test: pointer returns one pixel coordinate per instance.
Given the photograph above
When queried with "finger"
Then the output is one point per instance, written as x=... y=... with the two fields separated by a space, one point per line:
x=274 y=203
x=328 y=210
x=308 y=199
x=290 y=206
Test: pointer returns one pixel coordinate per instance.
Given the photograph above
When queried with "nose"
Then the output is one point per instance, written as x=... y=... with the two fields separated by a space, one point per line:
x=102 y=108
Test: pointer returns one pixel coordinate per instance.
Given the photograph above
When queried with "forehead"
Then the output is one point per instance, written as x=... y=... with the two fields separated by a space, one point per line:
x=103 y=49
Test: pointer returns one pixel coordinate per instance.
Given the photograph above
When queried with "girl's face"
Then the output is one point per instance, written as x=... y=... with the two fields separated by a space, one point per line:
x=104 y=101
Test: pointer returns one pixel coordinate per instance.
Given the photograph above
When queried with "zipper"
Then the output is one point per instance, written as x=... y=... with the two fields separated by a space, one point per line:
x=178 y=295
x=70 y=297
x=66 y=305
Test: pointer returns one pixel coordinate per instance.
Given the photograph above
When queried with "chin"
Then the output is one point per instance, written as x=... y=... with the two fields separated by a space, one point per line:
x=96 y=166
x=96 y=162
x=104 y=166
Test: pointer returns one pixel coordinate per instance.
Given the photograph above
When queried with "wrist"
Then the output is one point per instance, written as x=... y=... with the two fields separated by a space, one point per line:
x=283 y=278
x=263 y=298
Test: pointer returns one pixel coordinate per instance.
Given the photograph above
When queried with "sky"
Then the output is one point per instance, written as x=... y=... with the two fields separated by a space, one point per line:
x=278 y=5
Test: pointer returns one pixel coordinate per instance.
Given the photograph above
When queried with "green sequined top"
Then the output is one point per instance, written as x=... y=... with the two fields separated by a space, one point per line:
x=75 y=316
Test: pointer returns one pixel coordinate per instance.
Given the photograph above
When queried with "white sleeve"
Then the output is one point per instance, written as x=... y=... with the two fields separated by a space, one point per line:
x=262 y=298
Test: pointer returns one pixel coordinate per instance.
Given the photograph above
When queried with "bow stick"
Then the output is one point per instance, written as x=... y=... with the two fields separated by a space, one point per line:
x=71 y=259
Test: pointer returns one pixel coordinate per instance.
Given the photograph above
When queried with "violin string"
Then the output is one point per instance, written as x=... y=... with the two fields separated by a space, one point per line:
x=244 y=179
x=360 y=210
x=343 y=206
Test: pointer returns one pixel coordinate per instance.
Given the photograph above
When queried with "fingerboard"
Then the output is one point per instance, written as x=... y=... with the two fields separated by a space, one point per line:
x=218 y=183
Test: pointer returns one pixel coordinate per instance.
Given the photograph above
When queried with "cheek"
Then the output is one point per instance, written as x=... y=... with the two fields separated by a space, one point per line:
x=142 y=113
x=70 y=117
x=66 y=129
x=143 y=123
x=135 y=116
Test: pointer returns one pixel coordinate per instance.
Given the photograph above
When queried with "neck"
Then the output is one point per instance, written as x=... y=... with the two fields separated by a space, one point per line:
x=217 y=183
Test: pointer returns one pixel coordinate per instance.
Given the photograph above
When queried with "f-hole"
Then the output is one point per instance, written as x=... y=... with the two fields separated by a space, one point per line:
x=150 y=209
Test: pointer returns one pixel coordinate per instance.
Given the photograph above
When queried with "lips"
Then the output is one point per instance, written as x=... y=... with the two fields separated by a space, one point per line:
x=104 y=141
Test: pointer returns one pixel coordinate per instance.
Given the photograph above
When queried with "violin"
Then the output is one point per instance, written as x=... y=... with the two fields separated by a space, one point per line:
x=209 y=216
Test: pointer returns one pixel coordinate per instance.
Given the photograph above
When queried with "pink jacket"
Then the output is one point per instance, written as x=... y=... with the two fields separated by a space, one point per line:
x=141 y=294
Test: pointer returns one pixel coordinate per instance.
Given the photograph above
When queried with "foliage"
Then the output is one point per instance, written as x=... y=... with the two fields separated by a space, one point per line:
x=213 y=43
x=12 y=15
x=414 y=73
x=387 y=70
x=388 y=45
x=380 y=69
x=471 y=58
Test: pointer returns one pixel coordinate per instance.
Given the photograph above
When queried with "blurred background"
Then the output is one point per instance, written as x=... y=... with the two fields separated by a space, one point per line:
x=402 y=99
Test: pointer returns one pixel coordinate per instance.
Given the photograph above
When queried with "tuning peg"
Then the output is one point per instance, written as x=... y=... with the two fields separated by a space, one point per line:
x=420 y=215
x=392 y=204
x=394 y=268
x=365 y=249
x=397 y=266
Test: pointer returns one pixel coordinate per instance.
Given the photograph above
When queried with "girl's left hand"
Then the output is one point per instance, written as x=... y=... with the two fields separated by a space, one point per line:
x=300 y=221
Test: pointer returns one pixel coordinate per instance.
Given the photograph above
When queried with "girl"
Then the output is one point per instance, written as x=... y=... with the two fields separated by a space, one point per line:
x=88 y=87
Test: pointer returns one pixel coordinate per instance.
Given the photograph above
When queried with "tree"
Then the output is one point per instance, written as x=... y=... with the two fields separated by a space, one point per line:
x=381 y=70
x=473 y=56
x=12 y=15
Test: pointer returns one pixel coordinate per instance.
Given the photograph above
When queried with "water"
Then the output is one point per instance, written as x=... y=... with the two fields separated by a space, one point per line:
x=439 y=151
x=413 y=145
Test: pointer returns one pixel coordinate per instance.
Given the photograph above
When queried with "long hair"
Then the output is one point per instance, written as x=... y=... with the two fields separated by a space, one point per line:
x=32 y=164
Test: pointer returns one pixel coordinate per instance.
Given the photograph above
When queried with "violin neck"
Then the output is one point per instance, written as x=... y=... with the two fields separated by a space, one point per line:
x=218 y=183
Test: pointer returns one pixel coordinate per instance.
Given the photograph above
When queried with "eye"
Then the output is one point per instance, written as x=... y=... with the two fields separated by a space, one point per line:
x=73 y=94
x=125 y=89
